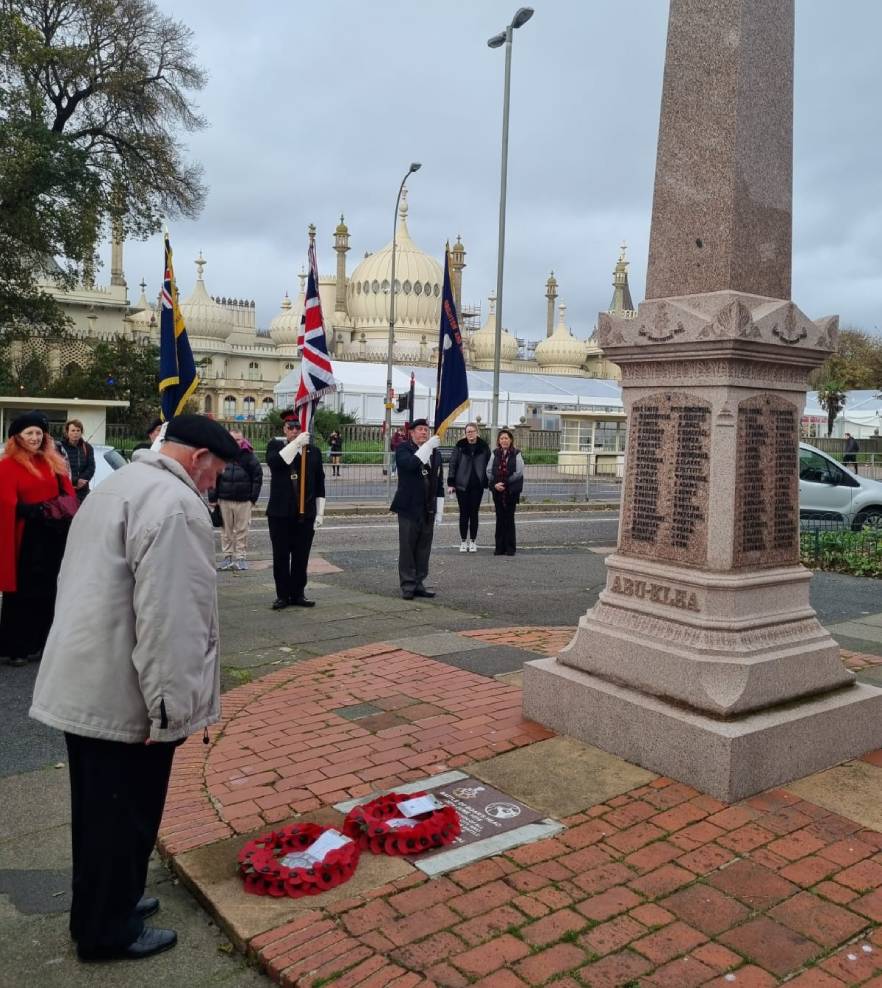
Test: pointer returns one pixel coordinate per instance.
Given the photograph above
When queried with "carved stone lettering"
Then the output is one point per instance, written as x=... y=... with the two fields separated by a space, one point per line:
x=666 y=483
x=767 y=485
x=656 y=593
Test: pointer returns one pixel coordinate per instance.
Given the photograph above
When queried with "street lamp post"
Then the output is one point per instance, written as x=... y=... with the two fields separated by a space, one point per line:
x=387 y=439
x=497 y=41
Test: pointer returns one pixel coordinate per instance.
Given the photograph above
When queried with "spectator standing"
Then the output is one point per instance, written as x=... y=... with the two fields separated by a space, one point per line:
x=130 y=669
x=295 y=467
x=398 y=437
x=335 y=445
x=467 y=475
x=236 y=492
x=419 y=504
x=151 y=432
x=851 y=451
x=506 y=475
x=80 y=456
x=32 y=476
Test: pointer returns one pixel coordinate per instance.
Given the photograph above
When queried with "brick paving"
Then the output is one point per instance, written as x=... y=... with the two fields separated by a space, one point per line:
x=661 y=886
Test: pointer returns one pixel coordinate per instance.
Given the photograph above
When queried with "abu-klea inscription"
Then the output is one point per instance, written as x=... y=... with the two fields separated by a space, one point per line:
x=655 y=593
x=767 y=482
x=666 y=483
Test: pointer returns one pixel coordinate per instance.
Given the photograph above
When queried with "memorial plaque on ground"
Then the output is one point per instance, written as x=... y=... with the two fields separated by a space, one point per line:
x=767 y=482
x=483 y=812
x=666 y=485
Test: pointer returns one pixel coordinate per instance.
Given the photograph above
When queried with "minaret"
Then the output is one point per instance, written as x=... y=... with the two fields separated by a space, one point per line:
x=551 y=295
x=457 y=263
x=341 y=246
x=621 y=303
x=117 y=277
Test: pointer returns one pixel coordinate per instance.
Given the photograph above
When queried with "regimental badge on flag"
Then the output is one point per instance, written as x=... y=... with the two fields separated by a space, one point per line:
x=316 y=372
x=453 y=385
x=177 y=368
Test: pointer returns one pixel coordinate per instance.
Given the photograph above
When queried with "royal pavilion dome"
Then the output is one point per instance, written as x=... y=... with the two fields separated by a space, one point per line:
x=142 y=317
x=203 y=317
x=419 y=281
x=284 y=327
x=561 y=353
x=483 y=343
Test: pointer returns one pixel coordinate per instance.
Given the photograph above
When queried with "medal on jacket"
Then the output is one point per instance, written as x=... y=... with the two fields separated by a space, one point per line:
x=294 y=478
x=425 y=471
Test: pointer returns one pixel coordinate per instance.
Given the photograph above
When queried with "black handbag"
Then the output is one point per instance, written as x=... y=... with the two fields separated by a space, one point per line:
x=216 y=518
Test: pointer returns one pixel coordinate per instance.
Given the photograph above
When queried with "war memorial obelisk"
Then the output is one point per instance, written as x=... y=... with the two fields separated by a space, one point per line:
x=702 y=658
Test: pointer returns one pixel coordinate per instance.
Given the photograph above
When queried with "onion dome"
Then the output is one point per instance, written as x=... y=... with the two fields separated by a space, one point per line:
x=561 y=353
x=484 y=341
x=203 y=316
x=419 y=281
x=284 y=327
x=143 y=317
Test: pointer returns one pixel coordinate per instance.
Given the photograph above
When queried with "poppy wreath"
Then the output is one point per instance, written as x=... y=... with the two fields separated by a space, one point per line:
x=368 y=825
x=261 y=868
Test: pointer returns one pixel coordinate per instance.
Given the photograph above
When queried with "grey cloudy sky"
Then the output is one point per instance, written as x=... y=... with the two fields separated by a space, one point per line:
x=318 y=108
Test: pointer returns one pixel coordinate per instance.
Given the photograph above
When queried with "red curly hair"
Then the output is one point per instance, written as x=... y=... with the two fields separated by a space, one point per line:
x=47 y=451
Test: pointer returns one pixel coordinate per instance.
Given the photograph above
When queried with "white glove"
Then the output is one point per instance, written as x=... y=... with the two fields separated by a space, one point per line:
x=293 y=448
x=157 y=442
x=319 y=513
x=425 y=451
x=439 y=509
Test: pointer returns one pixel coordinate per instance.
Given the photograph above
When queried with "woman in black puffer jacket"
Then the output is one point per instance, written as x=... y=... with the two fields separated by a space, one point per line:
x=237 y=490
x=467 y=475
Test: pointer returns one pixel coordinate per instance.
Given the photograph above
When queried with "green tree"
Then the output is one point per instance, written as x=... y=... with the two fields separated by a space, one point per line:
x=856 y=364
x=119 y=370
x=831 y=397
x=93 y=96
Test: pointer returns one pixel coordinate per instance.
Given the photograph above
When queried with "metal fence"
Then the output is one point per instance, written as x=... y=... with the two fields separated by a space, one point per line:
x=858 y=553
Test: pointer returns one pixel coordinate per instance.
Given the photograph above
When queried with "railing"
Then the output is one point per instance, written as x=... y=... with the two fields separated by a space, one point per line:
x=837 y=548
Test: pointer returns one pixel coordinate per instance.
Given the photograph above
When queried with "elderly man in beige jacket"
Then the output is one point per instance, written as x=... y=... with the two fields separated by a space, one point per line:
x=130 y=669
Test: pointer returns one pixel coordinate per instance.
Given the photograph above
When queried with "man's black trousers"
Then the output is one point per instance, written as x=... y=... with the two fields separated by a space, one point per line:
x=291 y=542
x=414 y=547
x=117 y=794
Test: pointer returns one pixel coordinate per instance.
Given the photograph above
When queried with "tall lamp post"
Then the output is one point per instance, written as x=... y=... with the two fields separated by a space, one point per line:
x=497 y=41
x=387 y=439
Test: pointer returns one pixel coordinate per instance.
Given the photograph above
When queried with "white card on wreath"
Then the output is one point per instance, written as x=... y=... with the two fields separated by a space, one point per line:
x=419 y=805
x=330 y=840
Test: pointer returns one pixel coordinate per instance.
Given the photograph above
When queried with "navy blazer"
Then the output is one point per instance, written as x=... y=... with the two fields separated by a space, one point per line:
x=284 y=498
x=410 y=499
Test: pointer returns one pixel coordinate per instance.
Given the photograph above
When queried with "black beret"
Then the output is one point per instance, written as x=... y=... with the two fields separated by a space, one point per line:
x=417 y=422
x=25 y=421
x=154 y=424
x=289 y=414
x=202 y=432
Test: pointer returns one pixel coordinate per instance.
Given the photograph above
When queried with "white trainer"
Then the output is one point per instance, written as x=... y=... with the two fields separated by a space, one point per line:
x=241 y=565
x=463 y=546
x=227 y=564
x=473 y=546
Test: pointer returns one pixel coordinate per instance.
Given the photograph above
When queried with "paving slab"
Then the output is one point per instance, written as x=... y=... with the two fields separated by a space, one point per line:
x=853 y=789
x=211 y=874
x=857 y=630
x=32 y=800
x=490 y=661
x=560 y=776
x=439 y=643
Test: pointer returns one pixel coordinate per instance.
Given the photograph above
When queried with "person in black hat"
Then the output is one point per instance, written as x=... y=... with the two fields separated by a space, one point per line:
x=296 y=508
x=152 y=431
x=127 y=689
x=32 y=476
x=419 y=504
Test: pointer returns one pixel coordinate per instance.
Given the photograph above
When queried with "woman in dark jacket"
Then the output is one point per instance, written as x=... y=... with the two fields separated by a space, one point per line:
x=506 y=475
x=237 y=491
x=335 y=446
x=32 y=473
x=80 y=456
x=467 y=475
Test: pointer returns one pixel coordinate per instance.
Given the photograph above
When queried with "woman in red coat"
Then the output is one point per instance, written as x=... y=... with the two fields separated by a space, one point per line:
x=32 y=472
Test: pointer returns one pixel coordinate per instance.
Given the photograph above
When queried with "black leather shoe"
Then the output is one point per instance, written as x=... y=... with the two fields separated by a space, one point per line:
x=301 y=602
x=422 y=592
x=406 y=595
x=151 y=941
x=279 y=604
x=147 y=906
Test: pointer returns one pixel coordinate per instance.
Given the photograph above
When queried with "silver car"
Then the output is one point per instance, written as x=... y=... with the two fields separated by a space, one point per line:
x=832 y=496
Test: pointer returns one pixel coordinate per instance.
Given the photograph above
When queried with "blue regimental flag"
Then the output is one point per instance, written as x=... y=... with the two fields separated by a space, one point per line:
x=177 y=369
x=453 y=385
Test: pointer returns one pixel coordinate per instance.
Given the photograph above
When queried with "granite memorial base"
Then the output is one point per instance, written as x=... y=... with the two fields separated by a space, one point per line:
x=729 y=759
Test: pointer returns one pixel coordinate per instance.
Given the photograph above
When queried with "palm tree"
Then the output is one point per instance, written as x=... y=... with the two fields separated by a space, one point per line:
x=831 y=397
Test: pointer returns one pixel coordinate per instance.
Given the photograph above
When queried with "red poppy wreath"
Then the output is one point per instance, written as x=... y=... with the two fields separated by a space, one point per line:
x=303 y=859
x=382 y=826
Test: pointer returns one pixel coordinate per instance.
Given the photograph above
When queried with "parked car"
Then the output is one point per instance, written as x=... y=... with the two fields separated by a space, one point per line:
x=831 y=495
x=107 y=459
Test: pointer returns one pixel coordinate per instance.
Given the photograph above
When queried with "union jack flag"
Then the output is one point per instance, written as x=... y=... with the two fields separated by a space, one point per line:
x=316 y=372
